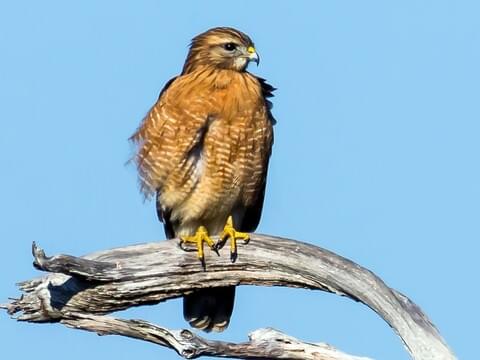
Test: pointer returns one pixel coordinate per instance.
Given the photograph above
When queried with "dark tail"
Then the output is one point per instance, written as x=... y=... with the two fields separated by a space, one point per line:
x=205 y=309
x=209 y=309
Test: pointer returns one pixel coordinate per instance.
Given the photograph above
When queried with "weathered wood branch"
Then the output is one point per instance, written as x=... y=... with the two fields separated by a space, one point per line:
x=80 y=290
x=263 y=344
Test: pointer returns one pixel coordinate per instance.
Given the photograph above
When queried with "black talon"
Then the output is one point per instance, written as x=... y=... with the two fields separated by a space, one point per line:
x=181 y=246
x=219 y=245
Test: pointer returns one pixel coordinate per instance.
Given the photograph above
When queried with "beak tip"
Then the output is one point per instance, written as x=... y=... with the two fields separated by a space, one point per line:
x=255 y=58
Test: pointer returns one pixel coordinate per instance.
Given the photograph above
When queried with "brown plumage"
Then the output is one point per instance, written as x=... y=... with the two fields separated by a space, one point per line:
x=203 y=149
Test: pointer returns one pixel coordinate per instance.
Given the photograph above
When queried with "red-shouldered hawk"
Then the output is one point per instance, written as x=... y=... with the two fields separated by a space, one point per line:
x=203 y=149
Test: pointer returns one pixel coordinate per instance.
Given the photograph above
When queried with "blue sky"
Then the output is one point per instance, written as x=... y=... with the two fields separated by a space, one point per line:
x=375 y=157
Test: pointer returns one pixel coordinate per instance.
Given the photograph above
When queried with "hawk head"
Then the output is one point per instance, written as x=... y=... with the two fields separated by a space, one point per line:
x=221 y=48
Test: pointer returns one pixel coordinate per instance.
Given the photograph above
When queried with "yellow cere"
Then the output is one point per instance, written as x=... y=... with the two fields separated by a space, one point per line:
x=251 y=49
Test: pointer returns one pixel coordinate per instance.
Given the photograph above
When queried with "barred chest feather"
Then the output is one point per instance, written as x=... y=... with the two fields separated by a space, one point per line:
x=226 y=165
x=206 y=145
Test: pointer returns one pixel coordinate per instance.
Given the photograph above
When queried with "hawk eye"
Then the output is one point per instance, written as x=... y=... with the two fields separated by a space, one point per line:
x=230 y=46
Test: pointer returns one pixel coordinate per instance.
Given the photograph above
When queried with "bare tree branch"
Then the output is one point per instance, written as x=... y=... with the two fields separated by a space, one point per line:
x=263 y=344
x=79 y=290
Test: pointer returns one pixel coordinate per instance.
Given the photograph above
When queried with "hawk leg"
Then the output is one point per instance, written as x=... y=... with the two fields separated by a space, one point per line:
x=200 y=238
x=229 y=232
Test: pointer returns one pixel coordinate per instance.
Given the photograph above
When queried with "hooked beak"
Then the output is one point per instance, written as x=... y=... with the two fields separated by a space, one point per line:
x=252 y=55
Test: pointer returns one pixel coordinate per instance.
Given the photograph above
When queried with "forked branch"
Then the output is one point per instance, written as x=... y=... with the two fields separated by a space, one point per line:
x=81 y=290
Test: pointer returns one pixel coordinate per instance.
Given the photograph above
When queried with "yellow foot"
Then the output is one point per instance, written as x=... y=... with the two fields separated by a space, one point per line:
x=230 y=232
x=200 y=238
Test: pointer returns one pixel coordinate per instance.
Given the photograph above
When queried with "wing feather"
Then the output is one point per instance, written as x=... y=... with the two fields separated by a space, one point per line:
x=253 y=212
x=167 y=141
